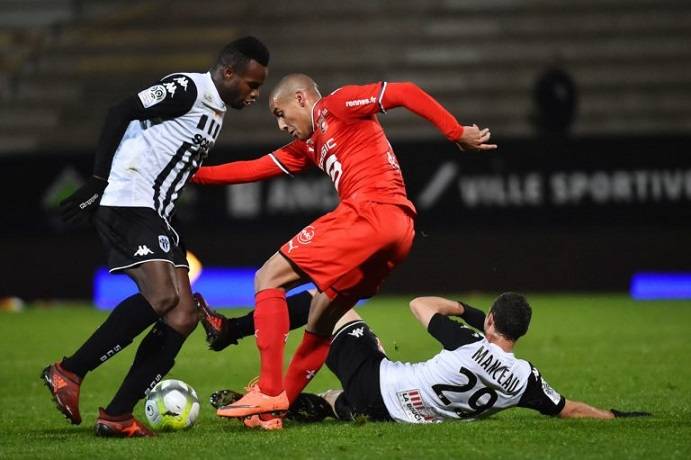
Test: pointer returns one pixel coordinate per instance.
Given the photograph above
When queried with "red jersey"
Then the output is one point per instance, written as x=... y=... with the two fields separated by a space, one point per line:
x=348 y=143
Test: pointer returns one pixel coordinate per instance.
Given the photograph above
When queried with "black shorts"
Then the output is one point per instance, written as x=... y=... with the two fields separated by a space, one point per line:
x=354 y=358
x=133 y=235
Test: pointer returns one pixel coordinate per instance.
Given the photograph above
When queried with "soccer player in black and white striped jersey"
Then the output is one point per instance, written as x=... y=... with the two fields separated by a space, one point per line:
x=152 y=142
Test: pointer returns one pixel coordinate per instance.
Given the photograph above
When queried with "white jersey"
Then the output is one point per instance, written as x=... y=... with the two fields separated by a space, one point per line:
x=158 y=154
x=474 y=379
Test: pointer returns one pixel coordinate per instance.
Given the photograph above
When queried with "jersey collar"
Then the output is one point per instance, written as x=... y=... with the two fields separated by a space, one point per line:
x=212 y=98
x=314 y=128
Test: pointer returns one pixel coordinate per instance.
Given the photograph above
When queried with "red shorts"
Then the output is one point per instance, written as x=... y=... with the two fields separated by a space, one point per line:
x=353 y=248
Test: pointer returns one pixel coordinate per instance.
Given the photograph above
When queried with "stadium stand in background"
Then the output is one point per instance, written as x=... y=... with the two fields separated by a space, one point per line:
x=62 y=62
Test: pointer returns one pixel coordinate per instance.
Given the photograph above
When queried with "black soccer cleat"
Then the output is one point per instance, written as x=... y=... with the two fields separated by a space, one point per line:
x=219 y=329
x=309 y=408
x=222 y=398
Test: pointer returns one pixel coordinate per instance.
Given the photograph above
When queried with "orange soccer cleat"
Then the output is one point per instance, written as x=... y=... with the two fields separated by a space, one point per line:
x=268 y=423
x=64 y=386
x=255 y=402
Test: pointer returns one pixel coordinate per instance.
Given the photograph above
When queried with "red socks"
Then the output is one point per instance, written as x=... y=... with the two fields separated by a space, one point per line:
x=308 y=359
x=271 y=326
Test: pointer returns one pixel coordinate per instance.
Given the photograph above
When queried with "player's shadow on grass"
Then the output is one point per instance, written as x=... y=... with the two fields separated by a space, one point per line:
x=66 y=433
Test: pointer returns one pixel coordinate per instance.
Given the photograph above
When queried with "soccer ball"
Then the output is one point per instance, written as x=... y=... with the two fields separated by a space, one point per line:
x=172 y=405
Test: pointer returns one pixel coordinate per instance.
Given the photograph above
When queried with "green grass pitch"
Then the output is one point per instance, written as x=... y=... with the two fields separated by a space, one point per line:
x=603 y=349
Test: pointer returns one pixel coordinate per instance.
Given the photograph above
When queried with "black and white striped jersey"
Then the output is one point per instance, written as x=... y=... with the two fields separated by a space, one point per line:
x=470 y=378
x=182 y=117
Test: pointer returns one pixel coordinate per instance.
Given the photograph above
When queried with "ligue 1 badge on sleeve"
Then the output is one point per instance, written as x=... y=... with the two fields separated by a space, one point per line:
x=164 y=243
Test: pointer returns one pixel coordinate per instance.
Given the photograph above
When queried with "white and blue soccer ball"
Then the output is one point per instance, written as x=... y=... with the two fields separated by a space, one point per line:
x=172 y=405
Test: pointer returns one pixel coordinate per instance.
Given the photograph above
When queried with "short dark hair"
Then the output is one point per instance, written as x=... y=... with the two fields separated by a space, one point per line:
x=512 y=315
x=238 y=53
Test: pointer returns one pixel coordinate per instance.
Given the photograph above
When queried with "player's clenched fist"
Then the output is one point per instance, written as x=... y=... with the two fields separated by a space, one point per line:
x=78 y=206
x=474 y=138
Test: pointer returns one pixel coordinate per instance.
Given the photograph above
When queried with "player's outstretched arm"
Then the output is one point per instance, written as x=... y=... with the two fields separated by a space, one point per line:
x=290 y=159
x=237 y=172
x=577 y=409
x=412 y=97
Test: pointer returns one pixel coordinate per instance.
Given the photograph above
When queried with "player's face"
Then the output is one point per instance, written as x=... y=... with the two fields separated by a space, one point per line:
x=293 y=115
x=242 y=88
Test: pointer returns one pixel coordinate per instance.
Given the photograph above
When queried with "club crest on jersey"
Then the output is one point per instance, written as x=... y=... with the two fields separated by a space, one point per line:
x=321 y=121
x=152 y=96
x=306 y=235
x=164 y=243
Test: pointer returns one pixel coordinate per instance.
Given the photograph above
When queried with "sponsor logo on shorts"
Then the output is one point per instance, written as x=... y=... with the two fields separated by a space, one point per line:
x=143 y=250
x=291 y=246
x=164 y=243
x=412 y=404
x=306 y=235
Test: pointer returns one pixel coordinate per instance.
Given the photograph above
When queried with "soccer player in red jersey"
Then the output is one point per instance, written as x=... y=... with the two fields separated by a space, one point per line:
x=349 y=251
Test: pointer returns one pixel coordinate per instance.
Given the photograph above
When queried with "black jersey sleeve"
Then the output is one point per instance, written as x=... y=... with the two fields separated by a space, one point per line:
x=170 y=97
x=473 y=316
x=450 y=333
x=539 y=396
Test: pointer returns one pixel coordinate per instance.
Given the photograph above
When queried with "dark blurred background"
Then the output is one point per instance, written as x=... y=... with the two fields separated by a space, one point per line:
x=589 y=100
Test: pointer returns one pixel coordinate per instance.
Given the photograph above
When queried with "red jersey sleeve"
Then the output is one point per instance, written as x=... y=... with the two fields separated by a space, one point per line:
x=290 y=159
x=413 y=98
x=355 y=101
x=360 y=101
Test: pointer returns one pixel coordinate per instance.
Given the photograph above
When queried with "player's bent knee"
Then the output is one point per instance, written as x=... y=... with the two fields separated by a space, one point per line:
x=260 y=280
x=184 y=322
x=276 y=272
x=164 y=302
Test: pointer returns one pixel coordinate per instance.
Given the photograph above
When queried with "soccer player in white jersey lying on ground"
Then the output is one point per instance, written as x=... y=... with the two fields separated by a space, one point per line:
x=474 y=375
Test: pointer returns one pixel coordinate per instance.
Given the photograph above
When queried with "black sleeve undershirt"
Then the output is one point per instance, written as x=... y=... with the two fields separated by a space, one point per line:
x=536 y=396
x=450 y=333
x=177 y=100
x=473 y=316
